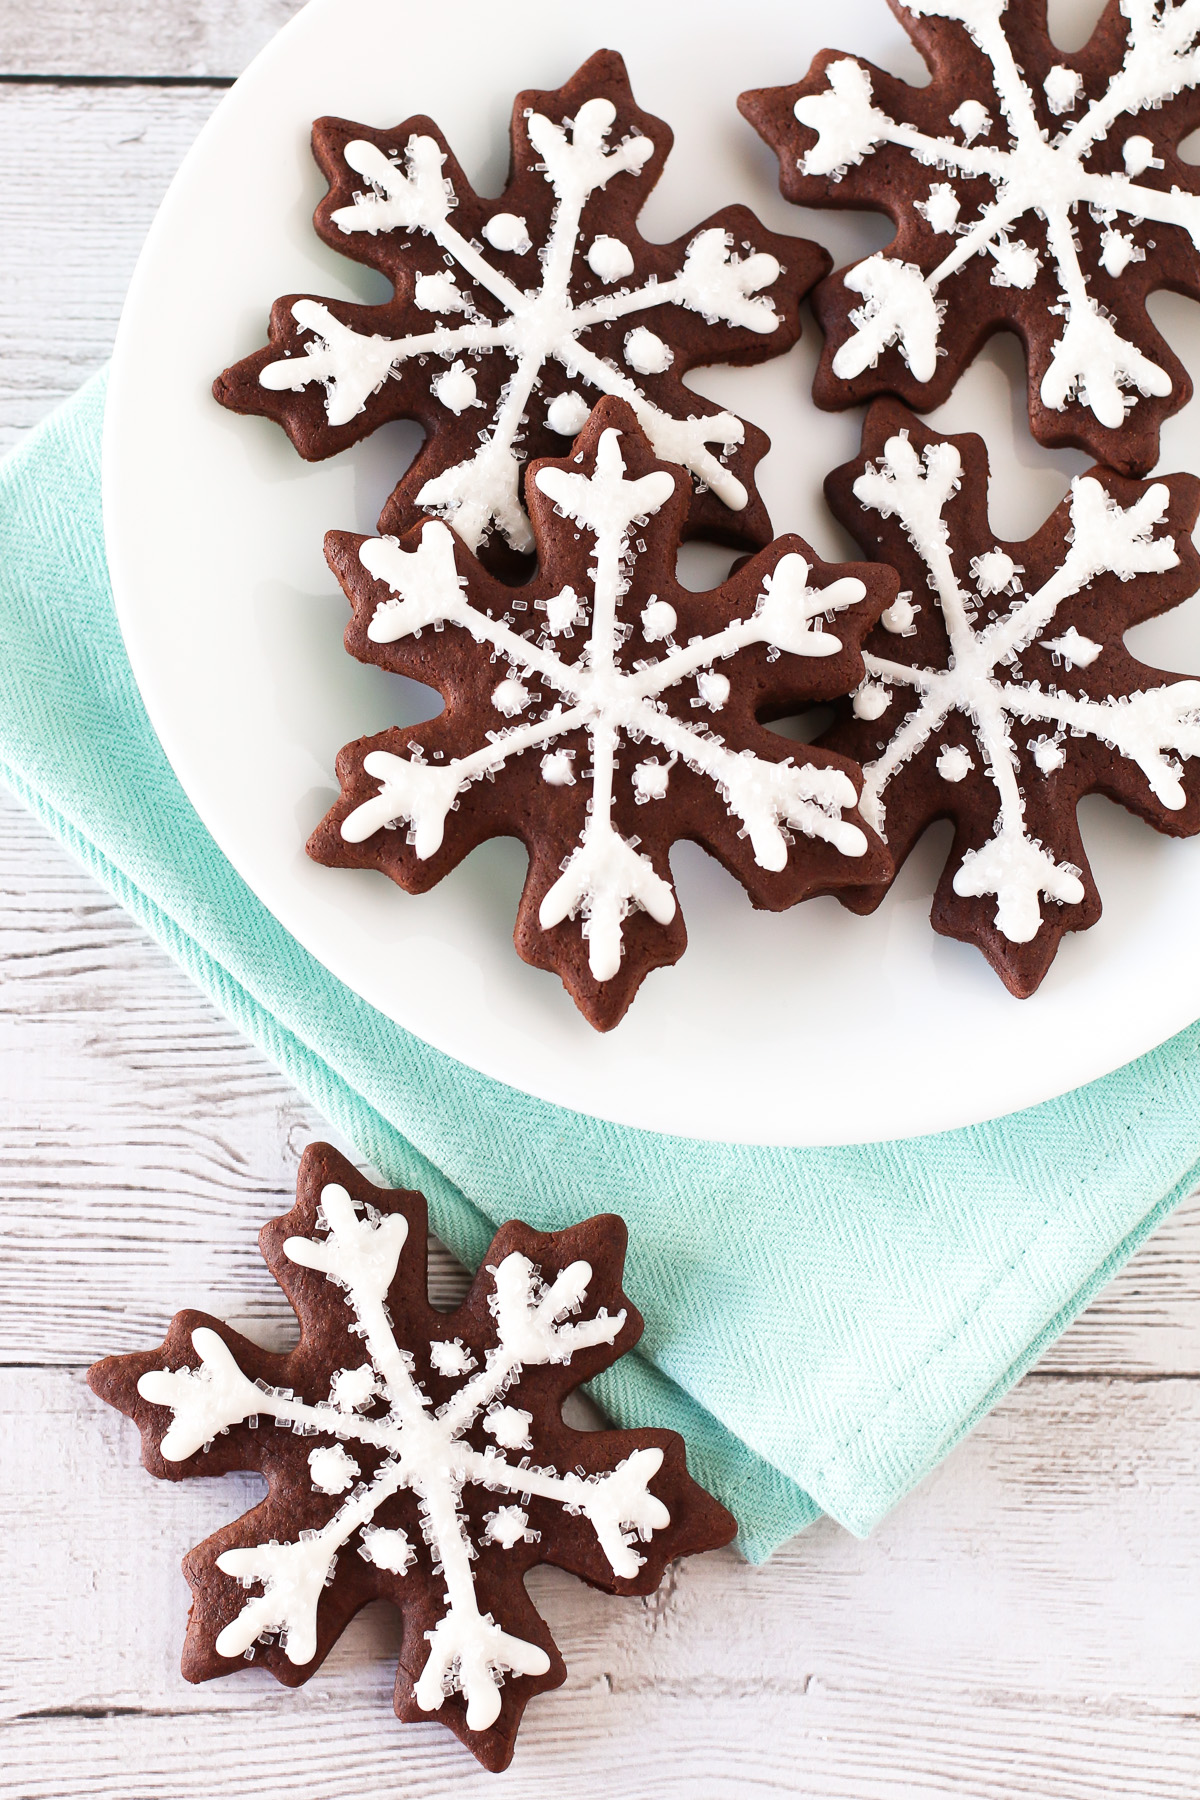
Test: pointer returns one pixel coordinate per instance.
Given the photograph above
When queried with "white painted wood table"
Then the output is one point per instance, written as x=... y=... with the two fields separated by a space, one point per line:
x=1026 y=1624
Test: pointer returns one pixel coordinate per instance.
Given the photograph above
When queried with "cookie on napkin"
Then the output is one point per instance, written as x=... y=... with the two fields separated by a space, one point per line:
x=413 y=1455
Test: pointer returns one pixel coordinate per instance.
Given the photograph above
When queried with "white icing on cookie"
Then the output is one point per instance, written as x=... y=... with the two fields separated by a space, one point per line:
x=605 y=878
x=536 y=325
x=900 y=618
x=954 y=763
x=557 y=769
x=1049 y=755
x=1073 y=649
x=941 y=208
x=1063 y=89
x=507 y=231
x=994 y=572
x=610 y=259
x=1016 y=263
x=509 y=1425
x=658 y=621
x=415 y=1449
x=456 y=388
x=507 y=1526
x=984 y=686
x=563 y=612
x=713 y=689
x=448 y=1357
x=647 y=353
x=1117 y=250
x=651 y=780
x=1137 y=153
x=1031 y=177
x=387 y=1549
x=439 y=293
x=871 y=701
x=567 y=414
x=332 y=1468
x=352 y=1389
x=511 y=697
x=973 y=120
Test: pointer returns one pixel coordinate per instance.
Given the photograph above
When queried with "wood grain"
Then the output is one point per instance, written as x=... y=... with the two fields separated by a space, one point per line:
x=190 y=1143
x=85 y=169
x=139 y=38
x=1025 y=1625
x=1022 y=1626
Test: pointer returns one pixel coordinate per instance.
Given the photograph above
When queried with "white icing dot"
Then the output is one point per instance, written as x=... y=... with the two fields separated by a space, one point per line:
x=973 y=120
x=993 y=572
x=1075 y=650
x=941 y=208
x=388 y=1550
x=1138 y=155
x=610 y=259
x=508 y=231
x=1062 y=88
x=647 y=353
x=650 y=779
x=1117 y=250
x=509 y=1425
x=871 y=702
x=456 y=388
x=332 y=1468
x=438 y=293
x=714 y=689
x=352 y=1388
x=557 y=770
x=954 y=763
x=1017 y=263
x=511 y=697
x=900 y=617
x=562 y=611
x=658 y=621
x=451 y=1357
x=567 y=414
x=506 y=1526
x=1048 y=755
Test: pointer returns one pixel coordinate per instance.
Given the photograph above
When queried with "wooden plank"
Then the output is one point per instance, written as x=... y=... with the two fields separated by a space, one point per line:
x=136 y=37
x=1148 y=1319
x=821 y=1745
x=85 y=169
x=1024 y=1624
x=181 y=1170
x=144 y=1139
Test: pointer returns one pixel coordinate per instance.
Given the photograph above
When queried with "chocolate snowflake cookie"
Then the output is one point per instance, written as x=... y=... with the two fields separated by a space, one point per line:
x=413 y=1455
x=999 y=690
x=512 y=317
x=603 y=712
x=1031 y=190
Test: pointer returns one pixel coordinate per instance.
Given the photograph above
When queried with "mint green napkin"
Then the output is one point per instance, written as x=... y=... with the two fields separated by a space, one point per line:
x=822 y=1325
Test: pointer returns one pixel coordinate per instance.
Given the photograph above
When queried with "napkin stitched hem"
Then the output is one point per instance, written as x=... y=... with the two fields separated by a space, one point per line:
x=830 y=1477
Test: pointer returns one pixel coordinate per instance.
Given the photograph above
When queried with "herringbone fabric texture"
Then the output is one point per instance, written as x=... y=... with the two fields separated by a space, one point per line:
x=822 y=1324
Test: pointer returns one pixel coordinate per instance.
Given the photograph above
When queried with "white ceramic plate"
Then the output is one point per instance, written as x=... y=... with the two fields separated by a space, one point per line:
x=808 y=1027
